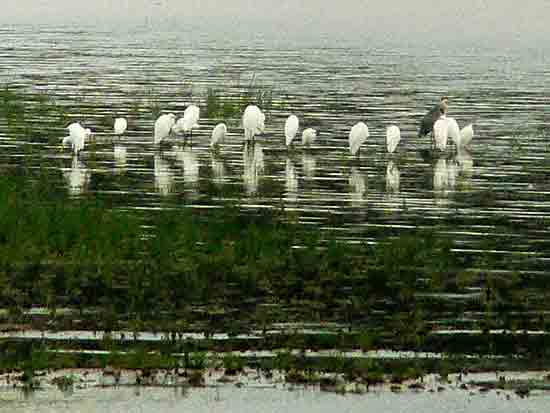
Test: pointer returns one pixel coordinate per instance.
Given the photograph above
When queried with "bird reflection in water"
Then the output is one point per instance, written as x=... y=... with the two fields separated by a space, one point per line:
x=392 y=178
x=358 y=185
x=77 y=177
x=253 y=157
x=164 y=178
x=291 y=181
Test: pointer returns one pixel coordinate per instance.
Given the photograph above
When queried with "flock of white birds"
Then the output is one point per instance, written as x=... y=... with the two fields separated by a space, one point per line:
x=253 y=122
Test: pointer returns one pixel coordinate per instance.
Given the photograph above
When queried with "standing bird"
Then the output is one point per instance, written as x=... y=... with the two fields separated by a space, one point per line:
x=120 y=126
x=358 y=136
x=453 y=130
x=393 y=136
x=253 y=122
x=441 y=133
x=163 y=127
x=189 y=121
x=427 y=123
x=466 y=135
x=291 y=128
x=218 y=134
x=308 y=136
x=77 y=137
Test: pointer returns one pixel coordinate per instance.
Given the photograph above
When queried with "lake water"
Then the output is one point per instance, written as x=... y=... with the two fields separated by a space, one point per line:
x=98 y=73
x=330 y=83
x=231 y=399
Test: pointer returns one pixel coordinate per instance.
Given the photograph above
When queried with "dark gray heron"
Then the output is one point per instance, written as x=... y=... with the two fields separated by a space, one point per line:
x=427 y=123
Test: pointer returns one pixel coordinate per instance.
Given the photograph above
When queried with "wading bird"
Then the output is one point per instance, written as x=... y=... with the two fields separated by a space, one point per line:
x=189 y=120
x=218 y=134
x=77 y=137
x=291 y=128
x=308 y=136
x=428 y=121
x=441 y=133
x=358 y=136
x=120 y=126
x=253 y=122
x=393 y=136
x=466 y=135
x=163 y=127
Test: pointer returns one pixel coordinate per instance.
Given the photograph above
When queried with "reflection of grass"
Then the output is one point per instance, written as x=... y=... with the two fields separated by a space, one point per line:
x=228 y=107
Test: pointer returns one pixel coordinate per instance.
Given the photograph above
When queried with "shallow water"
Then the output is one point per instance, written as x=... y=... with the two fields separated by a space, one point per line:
x=232 y=399
x=96 y=74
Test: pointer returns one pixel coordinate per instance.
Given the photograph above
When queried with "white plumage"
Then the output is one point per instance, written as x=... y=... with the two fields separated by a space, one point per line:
x=120 y=126
x=453 y=130
x=357 y=136
x=308 y=136
x=190 y=120
x=253 y=122
x=393 y=136
x=77 y=137
x=218 y=134
x=163 y=127
x=291 y=128
x=466 y=135
x=441 y=133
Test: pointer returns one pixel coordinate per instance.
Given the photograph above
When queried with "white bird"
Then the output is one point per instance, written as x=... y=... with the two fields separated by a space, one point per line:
x=253 y=122
x=77 y=137
x=357 y=136
x=466 y=135
x=218 y=134
x=453 y=130
x=120 y=126
x=189 y=121
x=291 y=128
x=308 y=136
x=393 y=136
x=441 y=133
x=163 y=127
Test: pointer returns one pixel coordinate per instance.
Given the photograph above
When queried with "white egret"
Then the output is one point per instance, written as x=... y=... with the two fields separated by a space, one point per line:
x=393 y=136
x=466 y=135
x=357 y=136
x=163 y=127
x=308 y=136
x=441 y=133
x=291 y=128
x=253 y=122
x=453 y=130
x=189 y=120
x=77 y=137
x=428 y=121
x=120 y=126
x=218 y=134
